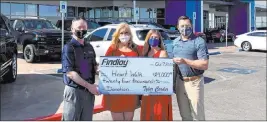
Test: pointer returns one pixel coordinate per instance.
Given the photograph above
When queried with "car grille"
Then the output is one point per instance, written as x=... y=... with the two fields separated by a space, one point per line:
x=55 y=40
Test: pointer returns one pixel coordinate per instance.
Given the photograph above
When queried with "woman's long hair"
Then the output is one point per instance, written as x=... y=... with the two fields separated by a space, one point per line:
x=115 y=37
x=147 y=47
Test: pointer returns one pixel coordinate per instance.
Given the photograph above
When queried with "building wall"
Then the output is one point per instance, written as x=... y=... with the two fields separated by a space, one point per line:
x=239 y=18
x=173 y=9
x=70 y=3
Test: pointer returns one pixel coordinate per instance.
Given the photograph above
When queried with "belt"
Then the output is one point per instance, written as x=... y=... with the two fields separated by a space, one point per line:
x=186 y=79
x=82 y=88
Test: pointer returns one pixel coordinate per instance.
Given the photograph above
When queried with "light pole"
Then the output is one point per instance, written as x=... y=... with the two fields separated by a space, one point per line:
x=226 y=29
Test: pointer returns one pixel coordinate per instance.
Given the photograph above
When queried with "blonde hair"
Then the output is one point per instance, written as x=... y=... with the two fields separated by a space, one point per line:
x=147 y=48
x=115 y=37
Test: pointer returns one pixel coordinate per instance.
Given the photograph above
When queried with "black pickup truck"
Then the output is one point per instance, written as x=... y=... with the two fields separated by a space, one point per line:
x=38 y=37
x=8 y=52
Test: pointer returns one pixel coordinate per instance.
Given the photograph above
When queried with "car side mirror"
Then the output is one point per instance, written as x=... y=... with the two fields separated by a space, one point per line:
x=3 y=32
x=20 y=29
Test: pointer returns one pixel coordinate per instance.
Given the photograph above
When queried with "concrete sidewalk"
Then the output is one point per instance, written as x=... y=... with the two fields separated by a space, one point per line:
x=221 y=47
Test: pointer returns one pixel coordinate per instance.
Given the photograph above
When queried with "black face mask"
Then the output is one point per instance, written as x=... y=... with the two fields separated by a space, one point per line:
x=80 y=33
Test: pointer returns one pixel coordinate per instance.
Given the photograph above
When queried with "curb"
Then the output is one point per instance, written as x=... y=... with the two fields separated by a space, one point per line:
x=58 y=116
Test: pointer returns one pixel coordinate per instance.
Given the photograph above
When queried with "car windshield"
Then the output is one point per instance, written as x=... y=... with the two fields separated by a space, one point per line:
x=38 y=24
x=142 y=35
x=92 y=25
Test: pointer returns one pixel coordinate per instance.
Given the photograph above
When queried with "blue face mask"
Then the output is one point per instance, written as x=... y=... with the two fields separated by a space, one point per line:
x=153 y=42
x=186 y=31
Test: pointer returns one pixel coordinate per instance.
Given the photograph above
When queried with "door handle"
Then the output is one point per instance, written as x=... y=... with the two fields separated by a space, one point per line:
x=97 y=46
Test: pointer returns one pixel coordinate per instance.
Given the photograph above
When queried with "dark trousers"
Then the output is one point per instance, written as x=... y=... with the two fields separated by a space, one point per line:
x=78 y=104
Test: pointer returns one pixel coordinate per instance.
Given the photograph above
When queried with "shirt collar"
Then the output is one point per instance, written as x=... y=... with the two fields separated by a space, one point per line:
x=76 y=42
x=191 y=37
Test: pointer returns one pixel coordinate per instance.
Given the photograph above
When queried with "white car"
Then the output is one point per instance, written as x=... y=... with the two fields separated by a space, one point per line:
x=252 y=40
x=101 y=37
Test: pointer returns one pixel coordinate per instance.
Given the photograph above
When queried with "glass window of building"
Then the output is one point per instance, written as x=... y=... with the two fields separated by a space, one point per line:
x=125 y=12
x=81 y=11
x=17 y=9
x=31 y=10
x=144 y=13
x=116 y=12
x=160 y=13
x=91 y=13
x=106 y=12
x=5 y=8
x=48 y=10
x=87 y=12
x=97 y=12
x=71 y=11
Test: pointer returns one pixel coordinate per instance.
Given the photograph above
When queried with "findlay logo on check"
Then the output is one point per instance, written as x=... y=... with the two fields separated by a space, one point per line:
x=114 y=62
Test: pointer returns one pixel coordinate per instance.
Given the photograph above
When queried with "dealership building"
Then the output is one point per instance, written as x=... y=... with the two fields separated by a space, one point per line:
x=243 y=15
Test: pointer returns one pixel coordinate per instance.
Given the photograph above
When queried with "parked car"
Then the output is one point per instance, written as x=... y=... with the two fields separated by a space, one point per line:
x=252 y=40
x=173 y=34
x=219 y=35
x=107 y=22
x=101 y=37
x=67 y=24
x=8 y=52
x=38 y=37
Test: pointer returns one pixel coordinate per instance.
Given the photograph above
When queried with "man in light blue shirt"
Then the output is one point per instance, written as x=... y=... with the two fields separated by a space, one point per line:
x=190 y=53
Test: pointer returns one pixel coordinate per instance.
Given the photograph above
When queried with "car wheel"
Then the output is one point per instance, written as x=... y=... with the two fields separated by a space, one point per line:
x=28 y=53
x=246 y=46
x=12 y=73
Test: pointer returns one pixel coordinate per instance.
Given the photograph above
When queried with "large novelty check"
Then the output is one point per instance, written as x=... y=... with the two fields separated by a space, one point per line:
x=128 y=75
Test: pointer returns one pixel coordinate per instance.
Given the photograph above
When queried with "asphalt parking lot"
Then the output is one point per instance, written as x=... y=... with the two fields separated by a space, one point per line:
x=235 y=89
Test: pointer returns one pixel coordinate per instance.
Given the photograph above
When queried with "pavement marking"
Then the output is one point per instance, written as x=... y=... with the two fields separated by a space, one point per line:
x=215 y=53
x=221 y=76
x=237 y=70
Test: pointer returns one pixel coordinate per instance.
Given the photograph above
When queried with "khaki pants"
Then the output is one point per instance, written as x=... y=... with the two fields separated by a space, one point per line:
x=190 y=98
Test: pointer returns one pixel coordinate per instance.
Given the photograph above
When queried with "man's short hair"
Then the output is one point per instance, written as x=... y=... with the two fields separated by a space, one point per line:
x=184 y=18
x=78 y=18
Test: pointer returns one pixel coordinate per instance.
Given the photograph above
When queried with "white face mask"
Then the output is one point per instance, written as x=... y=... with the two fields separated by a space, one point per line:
x=124 y=38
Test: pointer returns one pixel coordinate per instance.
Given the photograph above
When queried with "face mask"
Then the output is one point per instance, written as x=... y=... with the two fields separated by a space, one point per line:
x=80 y=33
x=153 y=42
x=124 y=38
x=186 y=31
